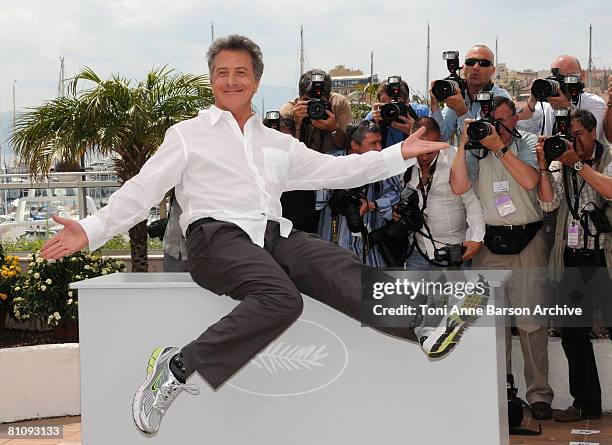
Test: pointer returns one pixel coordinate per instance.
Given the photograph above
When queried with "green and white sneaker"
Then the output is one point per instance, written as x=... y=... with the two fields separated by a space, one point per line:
x=439 y=341
x=158 y=391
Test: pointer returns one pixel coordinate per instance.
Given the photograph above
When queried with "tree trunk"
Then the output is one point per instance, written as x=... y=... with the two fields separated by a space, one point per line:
x=138 y=247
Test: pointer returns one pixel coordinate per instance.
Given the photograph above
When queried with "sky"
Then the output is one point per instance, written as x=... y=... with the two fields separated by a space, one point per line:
x=130 y=37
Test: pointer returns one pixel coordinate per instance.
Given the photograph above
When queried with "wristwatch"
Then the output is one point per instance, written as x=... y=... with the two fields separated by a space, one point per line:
x=578 y=166
x=544 y=171
x=500 y=153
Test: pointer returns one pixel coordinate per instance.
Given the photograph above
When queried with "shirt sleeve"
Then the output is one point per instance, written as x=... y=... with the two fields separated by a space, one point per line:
x=132 y=202
x=322 y=198
x=342 y=109
x=311 y=170
x=389 y=197
x=556 y=180
x=475 y=219
x=527 y=151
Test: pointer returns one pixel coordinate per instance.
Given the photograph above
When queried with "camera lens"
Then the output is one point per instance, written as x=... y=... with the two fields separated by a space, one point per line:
x=389 y=112
x=554 y=147
x=443 y=89
x=544 y=88
x=478 y=130
x=316 y=110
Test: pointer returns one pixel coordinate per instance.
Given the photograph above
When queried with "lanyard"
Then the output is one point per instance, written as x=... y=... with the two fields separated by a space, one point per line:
x=425 y=189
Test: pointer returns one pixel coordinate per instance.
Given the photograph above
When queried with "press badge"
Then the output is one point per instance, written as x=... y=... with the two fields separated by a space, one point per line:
x=504 y=205
x=572 y=235
x=500 y=186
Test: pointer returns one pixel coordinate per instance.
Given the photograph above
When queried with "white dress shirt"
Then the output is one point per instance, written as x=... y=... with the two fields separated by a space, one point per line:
x=219 y=172
x=451 y=218
x=543 y=111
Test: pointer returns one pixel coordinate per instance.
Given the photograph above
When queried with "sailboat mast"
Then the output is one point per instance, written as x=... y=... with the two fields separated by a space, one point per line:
x=302 y=61
x=427 y=65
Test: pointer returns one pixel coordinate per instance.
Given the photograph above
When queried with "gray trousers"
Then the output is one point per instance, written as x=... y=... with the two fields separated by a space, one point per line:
x=268 y=283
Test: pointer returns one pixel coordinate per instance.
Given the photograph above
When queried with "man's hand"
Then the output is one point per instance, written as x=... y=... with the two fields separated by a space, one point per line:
x=405 y=126
x=472 y=248
x=540 y=153
x=415 y=146
x=570 y=157
x=69 y=240
x=457 y=104
x=328 y=124
x=492 y=142
x=376 y=112
x=560 y=101
x=364 y=208
x=433 y=102
x=464 y=136
x=300 y=111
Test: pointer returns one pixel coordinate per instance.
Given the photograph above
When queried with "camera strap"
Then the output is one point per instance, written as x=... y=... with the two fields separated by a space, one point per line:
x=425 y=189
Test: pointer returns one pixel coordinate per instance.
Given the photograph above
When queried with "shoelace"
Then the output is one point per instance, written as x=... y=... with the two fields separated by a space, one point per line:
x=169 y=392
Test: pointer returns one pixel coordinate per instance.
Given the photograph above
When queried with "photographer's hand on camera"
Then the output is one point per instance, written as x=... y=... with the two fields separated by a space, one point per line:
x=542 y=163
x=433 y=101
x=493 y=141
x=328 y=124
x=471 y=249
x=457 y=103
x=406 y=125
x=560 y=101
x=376 y=112
x=569 y=157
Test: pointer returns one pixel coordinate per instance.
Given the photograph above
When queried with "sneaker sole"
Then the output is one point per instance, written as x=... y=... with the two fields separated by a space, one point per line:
x=151 y=371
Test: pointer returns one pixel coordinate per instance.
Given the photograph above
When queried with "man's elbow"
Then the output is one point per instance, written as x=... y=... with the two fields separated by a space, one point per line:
x=460 y=187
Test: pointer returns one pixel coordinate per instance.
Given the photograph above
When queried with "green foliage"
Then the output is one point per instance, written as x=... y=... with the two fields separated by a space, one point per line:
x=43 y=292
x=360 y=110
x=116 y=243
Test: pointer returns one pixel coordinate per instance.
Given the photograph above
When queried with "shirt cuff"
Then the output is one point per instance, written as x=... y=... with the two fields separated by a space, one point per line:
x=94 y=230
x=395 y=162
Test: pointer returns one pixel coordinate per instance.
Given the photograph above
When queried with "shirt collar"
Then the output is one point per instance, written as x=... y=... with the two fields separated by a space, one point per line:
x=214 y=113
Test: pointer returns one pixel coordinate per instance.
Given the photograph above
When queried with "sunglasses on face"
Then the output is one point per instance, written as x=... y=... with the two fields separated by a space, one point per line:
x=484 y=63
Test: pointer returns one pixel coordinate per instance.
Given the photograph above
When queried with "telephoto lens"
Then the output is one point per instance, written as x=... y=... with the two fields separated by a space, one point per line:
x=478 y=130
x=443 y=89
x=554 y=147
x=542 y=89
x=390 y=112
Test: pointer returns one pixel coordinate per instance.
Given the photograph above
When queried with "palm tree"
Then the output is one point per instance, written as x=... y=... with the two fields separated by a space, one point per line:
x=115 y=118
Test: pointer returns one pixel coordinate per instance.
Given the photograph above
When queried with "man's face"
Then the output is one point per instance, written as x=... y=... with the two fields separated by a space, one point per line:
x=425 y=159
x=371 y=142
x=585 y=140
x=478 y=75
x=233 y=81
x=567 y=66
x=503 y=113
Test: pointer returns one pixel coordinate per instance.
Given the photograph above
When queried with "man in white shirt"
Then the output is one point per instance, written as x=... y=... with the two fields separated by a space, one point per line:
x=452 y=219
x=229 y=171
x=536 y=115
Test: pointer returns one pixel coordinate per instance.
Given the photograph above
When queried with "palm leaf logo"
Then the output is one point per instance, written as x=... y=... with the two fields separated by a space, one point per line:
x=280 y=357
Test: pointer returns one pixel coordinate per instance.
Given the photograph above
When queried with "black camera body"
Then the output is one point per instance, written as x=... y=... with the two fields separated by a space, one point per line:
x=481 y=128
x=570 y=85
x=397 y=107
x=272 y=120
x=317 y=106
x=558 y=144
x=347 y=203
x=444 y=88
x=450 y=254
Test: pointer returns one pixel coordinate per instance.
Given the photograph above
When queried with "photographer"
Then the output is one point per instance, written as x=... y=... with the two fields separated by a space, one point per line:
x=478 y=70
x=394 y=132
x=586 y=168
x=538 y=115
x=323 y=134
x=455 y=222
x=608 y=115
x=347 y=216
x=505 y=181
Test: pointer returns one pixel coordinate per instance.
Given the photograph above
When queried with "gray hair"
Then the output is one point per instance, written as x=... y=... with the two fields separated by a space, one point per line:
x=236 y=42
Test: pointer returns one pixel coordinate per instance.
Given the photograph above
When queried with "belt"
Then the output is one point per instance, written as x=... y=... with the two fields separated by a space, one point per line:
x=197 y=223
x=582 y=252
x=518 y=227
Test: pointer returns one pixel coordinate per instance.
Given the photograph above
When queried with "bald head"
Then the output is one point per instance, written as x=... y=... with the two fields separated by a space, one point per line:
x=481 y=49
x=567 y=65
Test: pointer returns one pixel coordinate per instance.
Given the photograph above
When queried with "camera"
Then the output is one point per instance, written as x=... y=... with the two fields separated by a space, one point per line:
x=317 y=107
x=558 y=144
x=390 y=238
x=272 y=120
x=570 y=85
x=450 y=254
x=481 y=128
x=444 y=88
x=393 y=110
x=347 y=203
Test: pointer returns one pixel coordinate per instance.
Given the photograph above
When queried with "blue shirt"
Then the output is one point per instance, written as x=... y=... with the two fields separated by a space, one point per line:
x=393 y=134
x=386 y=193
x=451 y=124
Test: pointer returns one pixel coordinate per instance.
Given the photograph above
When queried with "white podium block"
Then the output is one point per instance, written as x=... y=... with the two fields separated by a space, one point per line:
x=326 y=380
